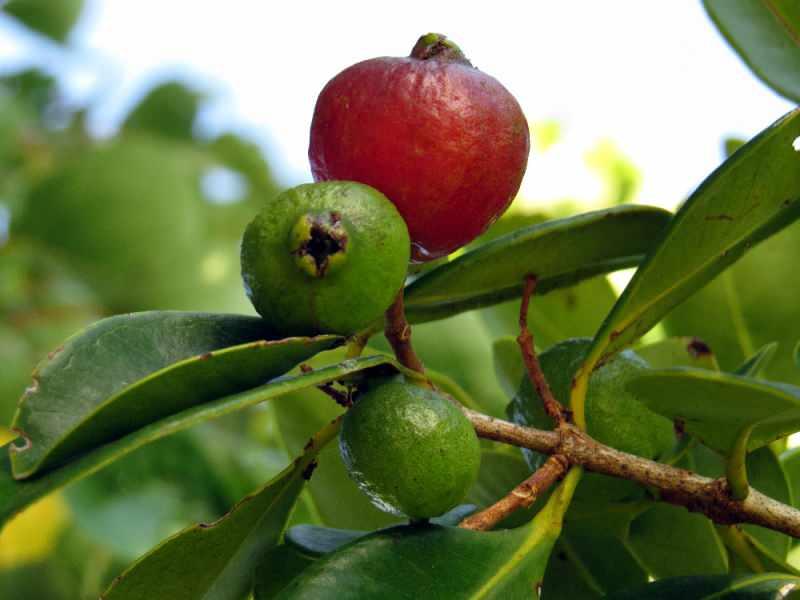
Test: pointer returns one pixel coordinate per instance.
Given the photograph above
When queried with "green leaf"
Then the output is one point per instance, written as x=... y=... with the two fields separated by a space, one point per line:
x=168 y=109
x=716 y=407
x=53 y=19
x=278 y=567
x=127 y=371
x=670 y=542
x=766 y=36
x=754 y=365
x=679 y=352
x=560 y=253
x=767 y=586
x=15 y=495
x=754 y=194
x=592 y=557
x=216 y=560
x=431 y=561
x=738 y=297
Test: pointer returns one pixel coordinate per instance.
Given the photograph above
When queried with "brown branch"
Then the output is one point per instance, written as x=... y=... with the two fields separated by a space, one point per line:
x=522 y=496
x=398 y=333
x=525 y=340
x=341 y=398
x=710 y=497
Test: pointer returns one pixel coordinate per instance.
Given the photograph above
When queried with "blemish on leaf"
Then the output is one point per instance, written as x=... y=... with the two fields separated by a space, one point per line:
x=719 y=217
x=206 y=356
x=309 y=444
x=26 y=441
x=697 y=348
x=51 y=355
x=309 y=470
x=33 y=387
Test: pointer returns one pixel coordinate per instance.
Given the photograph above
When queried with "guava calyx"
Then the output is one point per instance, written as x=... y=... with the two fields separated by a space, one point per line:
x=319 y=243
x=438 y=46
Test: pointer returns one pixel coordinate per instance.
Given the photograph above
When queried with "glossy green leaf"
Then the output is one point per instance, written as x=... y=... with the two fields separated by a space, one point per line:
x=431 y=561
x=317 y=541
x=679 y=352
x=766 y=36
x=16 y=495
x=53 y=19
x=592 y=557
x=560 y=253
x=754 y=365
x=217 y=560
x=277 y=568
x=671 y=542
x=717 y=406
x=127 y=371
x=754 y=194
x=768 y=586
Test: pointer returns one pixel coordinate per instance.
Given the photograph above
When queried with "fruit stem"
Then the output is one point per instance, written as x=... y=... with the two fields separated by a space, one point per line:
x=437 y=46
x=398 y=334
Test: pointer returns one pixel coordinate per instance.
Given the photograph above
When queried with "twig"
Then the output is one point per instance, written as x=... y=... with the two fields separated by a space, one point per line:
x=341 y=398
x=522 y=496
x=525 y=340
x=398 y=333
x=710 y=497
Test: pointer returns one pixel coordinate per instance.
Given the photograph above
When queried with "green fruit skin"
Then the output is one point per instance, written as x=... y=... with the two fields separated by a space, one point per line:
x=347 y=298
x=411 y=450
x=614 y=416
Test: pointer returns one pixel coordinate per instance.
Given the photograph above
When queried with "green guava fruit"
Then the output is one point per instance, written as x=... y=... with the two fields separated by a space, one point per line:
x=410 y=449
x=614 y=416
x=325 y=258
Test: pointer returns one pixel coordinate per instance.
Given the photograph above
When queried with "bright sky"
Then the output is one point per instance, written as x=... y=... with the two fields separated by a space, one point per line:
x=655 y=77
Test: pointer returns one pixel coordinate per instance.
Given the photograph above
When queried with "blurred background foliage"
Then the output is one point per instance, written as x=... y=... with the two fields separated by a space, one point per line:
x=151 y=217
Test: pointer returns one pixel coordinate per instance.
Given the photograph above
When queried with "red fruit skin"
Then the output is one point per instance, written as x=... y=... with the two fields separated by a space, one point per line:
x=445 y=142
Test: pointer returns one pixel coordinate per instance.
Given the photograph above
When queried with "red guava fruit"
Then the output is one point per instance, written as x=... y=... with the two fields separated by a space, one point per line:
x=446 y=143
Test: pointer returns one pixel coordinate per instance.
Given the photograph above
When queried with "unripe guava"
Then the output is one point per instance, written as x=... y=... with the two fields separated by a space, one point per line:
x=614 y=416
x=410 y=449
x=445 y=142
x=325 y=258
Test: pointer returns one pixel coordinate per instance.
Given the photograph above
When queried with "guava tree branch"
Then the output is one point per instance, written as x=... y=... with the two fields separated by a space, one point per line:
x=710 y=497
x=525 y=341
x=522 y=496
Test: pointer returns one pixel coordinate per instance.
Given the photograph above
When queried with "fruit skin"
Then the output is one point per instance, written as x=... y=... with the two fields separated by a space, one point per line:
x=614 y=416
x=356 y=281
x=410 y=449
x=445 y=142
